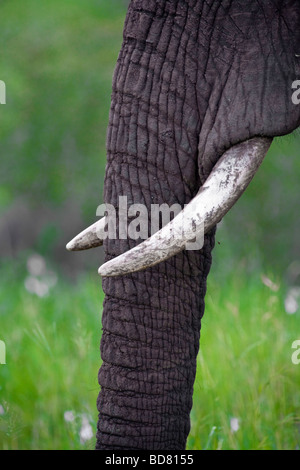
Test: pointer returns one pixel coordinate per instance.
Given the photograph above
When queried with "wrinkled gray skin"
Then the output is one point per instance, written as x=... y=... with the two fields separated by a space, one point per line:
x=193 y=78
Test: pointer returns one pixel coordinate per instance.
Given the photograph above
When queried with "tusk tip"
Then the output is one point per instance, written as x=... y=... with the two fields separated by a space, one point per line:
x=70 y=246
x=79 y=244
x=110 y=269
x=91 y=237
x=102 y=271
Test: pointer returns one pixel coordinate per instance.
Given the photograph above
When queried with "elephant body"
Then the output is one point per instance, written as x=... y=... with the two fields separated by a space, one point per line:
x=193 y=78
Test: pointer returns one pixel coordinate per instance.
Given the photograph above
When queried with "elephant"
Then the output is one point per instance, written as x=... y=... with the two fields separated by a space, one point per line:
x=200 y=89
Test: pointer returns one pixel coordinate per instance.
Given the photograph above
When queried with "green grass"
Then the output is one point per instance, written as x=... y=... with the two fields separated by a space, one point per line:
x=244 y=366
x=52 y=356
x=245 y=369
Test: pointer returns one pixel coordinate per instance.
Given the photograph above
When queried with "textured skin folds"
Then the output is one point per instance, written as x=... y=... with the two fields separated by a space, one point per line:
x=192 y=79
x=151 y=326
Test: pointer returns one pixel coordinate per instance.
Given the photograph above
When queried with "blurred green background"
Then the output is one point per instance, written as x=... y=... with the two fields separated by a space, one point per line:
x=57 y=61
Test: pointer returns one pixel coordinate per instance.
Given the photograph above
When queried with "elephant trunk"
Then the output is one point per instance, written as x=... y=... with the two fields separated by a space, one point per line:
x=151 y=319
x=150 y=341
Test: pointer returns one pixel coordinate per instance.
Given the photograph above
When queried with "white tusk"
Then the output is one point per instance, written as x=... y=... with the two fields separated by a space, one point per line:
x=225 y=184
x=91 y=237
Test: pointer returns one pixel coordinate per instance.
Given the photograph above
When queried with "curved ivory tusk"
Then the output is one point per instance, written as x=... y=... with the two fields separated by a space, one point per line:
x=91 y=237
x=226 y=183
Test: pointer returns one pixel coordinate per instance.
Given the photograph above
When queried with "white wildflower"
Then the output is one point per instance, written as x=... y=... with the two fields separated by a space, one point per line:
x=40 y=279
x=270 y=284
x=36 y=265
x=35 y=286
x=291 y=302
x=86 y=431
x=234 y=424
x=69 y=416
